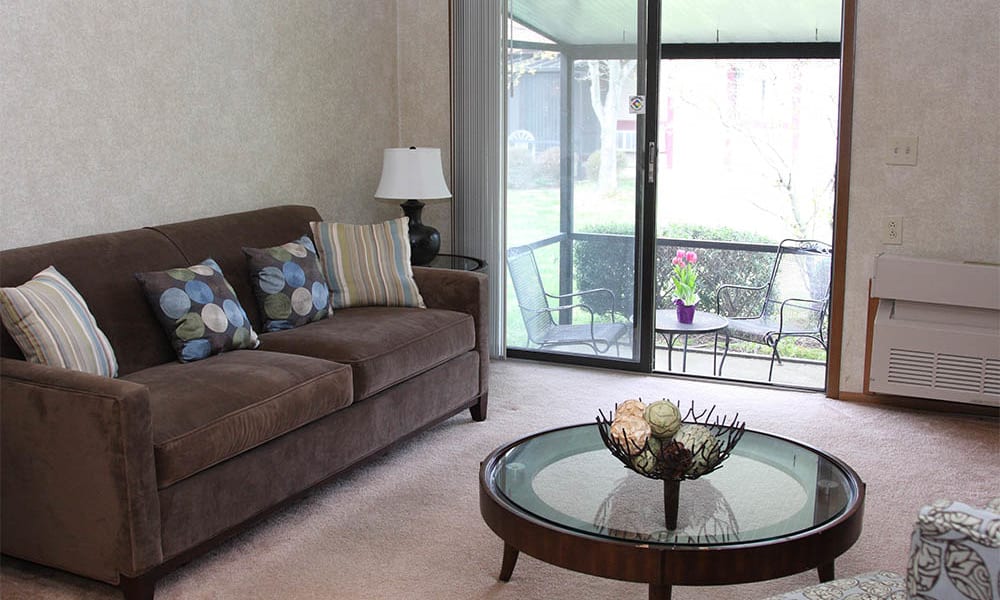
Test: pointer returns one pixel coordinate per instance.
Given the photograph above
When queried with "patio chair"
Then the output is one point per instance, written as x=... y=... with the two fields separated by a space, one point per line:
x=542 y=329
x=794 y=301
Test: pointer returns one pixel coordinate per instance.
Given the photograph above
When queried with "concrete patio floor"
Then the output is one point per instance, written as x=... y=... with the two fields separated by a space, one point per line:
x=741 y=367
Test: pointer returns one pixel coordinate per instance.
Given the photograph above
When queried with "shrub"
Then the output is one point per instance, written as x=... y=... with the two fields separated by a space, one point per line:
x=609 y=263
x=547 y=168
x=593 y=163
x=520 y=167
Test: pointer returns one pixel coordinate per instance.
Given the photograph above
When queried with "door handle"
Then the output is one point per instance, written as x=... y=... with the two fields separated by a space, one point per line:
x=651 y=163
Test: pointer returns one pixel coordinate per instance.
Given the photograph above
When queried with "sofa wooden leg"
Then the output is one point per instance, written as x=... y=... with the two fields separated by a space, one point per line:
x=478 y=409
x=138 y=588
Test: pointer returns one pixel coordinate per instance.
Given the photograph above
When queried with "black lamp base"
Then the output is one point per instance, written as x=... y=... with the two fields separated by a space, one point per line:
x=425 y=241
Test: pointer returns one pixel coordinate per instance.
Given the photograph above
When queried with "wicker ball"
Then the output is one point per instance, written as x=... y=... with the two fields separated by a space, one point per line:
x=664 y=418
x=704 y=447
x=654 y=443
x=645 y=461
x=630 y=433
x=630 y=408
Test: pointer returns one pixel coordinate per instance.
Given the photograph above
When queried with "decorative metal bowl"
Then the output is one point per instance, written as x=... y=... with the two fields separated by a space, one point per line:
x=666 y=459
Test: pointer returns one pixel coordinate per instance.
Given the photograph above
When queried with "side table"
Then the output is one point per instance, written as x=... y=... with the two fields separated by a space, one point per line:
x=457 y=262
x=704 y=322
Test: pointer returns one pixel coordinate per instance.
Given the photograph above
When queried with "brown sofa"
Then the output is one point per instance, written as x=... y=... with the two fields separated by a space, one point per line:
x=122 y=480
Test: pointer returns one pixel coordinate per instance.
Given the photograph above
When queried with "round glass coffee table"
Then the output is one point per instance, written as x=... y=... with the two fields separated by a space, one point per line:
x=775 y=507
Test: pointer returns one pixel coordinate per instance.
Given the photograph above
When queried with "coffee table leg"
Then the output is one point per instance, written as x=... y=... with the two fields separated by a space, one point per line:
x=509 y=560
x=659 y=592
x=826 y=572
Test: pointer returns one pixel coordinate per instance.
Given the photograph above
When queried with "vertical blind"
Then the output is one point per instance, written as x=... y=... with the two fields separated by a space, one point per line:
x=478 y=83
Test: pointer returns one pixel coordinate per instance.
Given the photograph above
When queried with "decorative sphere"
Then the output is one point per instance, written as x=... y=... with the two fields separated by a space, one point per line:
x=704 y=447
x=630 y=433
x=653 y=443
x=630 y=408
x=664 y=418
x=645 y=461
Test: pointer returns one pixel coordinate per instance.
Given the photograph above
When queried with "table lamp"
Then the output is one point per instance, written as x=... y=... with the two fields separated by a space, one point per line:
x=414 y=174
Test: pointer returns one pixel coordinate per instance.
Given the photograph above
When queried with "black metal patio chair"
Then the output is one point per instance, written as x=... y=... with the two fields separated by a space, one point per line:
x=541 y=327
x=793 y=303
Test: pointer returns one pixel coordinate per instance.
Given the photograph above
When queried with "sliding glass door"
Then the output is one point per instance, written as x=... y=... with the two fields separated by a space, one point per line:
x=747 y=128
x=640 y=129
x=748 y=157
x=576 y=178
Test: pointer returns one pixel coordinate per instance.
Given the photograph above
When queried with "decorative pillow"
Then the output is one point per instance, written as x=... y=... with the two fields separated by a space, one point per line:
x=289 y=284
x=367 y=265
x=52 y=325
x=199 y=310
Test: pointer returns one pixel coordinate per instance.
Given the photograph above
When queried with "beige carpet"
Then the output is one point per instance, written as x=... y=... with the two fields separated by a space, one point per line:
x=408 y=525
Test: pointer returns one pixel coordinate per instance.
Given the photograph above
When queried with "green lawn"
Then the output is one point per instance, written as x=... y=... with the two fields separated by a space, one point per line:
x=533 y=214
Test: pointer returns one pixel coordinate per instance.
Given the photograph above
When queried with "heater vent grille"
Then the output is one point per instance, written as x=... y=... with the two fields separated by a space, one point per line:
x=911 y=367
x=991 y=382
x=944 y=371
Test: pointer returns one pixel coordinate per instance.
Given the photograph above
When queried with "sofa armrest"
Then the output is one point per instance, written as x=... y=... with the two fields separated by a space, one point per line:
x=463 y=291
x=954 y=552
x=77 y=473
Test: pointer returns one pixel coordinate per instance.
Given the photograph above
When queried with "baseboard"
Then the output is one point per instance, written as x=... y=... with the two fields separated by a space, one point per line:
x=977 y=410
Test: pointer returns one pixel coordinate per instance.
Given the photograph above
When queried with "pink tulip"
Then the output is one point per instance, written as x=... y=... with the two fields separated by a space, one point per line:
x=677 y=261
x=692 y=257
x=680 y=254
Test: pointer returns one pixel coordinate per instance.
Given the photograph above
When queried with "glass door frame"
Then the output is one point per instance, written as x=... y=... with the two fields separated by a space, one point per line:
x=647 y=55
x=646 y=215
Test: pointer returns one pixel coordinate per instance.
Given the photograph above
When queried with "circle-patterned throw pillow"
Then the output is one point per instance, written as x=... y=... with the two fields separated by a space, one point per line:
x=199 y=310
x=289 y=284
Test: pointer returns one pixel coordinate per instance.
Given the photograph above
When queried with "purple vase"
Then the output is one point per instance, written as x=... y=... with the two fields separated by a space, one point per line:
x=685 y=313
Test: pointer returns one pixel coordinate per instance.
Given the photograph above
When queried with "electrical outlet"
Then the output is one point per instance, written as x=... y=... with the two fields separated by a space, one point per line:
x=892 y=230
x=902 y=151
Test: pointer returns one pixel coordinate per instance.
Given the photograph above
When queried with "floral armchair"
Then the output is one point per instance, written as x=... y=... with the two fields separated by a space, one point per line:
x=954 y=554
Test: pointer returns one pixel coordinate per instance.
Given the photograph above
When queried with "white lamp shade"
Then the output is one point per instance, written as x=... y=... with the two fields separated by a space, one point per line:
x=412 y=174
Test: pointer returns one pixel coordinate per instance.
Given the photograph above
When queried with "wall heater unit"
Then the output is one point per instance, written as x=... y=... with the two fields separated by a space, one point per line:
x=937 y=329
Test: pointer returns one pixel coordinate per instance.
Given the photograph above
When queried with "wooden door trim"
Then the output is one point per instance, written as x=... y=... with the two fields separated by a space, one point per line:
x=841 y=199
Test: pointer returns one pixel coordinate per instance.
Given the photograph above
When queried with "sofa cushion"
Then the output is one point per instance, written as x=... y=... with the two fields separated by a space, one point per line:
x=367 y=265
x=199 y=310
x=208 y=411
x=101 y=268
x=52 y=325
x=383 y=345
x=289 y=284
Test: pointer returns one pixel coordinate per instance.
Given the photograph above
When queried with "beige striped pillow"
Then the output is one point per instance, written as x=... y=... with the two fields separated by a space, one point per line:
x=367 y=265
x=52 y=325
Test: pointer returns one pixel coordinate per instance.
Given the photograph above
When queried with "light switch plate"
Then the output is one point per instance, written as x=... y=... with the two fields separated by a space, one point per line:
x=902 y=150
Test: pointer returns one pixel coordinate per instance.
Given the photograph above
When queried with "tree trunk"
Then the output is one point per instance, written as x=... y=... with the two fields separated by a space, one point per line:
x=607 y=93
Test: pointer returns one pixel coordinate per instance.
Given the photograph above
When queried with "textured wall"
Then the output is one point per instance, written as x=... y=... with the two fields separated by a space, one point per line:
x=424 y=92
x=119 y=115
x=927 y=69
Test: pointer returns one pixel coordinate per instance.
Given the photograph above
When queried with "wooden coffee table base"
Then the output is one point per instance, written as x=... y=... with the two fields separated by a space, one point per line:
x=657 y=591
x=509 y=560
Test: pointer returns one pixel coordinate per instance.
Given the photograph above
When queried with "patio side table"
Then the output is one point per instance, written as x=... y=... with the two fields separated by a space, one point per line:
x=704 y=322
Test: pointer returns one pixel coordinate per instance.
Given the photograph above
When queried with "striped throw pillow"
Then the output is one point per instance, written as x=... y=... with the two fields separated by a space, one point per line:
x=52 y=325
x=367 y=265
